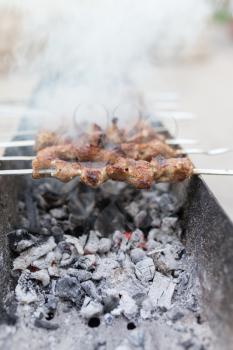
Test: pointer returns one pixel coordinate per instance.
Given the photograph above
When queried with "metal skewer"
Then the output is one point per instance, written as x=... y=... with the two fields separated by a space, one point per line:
x=196 y=171
x=14 y=158
x=213 y=172
x=26 y=143
x=212 y=152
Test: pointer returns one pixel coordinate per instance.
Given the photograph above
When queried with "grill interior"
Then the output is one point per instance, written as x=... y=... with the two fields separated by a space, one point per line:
x=207 y=236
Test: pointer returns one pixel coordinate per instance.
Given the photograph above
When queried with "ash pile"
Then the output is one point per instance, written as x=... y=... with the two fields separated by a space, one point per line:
x=105 y=256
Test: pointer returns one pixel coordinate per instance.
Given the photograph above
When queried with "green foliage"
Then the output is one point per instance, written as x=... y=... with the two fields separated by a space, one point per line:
x=222 y=16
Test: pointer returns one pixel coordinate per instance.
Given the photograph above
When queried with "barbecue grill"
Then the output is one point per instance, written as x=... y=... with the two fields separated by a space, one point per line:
x=207 y=235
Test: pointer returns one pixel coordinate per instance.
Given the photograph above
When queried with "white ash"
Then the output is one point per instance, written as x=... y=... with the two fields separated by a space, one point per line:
x=104 y=245
x=161 y=291
x=91 y=308
x=145 y=270
x=75 y=241
x=28 y=256
x=133 y=267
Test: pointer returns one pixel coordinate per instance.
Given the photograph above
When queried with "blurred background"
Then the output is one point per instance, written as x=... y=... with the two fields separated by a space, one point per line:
x=165 y=55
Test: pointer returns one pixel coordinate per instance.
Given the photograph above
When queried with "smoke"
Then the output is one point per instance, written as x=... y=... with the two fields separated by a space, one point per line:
x=102 y=52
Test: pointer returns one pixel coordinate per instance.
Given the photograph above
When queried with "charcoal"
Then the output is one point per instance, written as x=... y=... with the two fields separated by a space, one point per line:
x=92 y=244
x=145 y=269
x=58 y=213
x=104 y=245
x=109 y=220
x=117 y=238
x=54 y=221
x=137 y=238
x=146 y=309
x=26 y=291
x=162 y=187
x=81 y=275
x=33 y=253
x=161 y=291
x=153 y=234
x=169 y=224
x=111 y=251
x=45 y=324
x=137 y=254
x=42 y=276
x=76 y=243
x=156 y=222
x=132 y=209
x=127 y=306
x=141 y=219
x=86 y=262
x=110 y=302
x=151 y=245
x=57 y=234
x=49 y=262
x=167 y=204
x=20 y=240
x=68 y=258
x=69 y=288
x=51 y=303
x=90 y=290
x=175 y=314
x=91 y=309
x=45 y=232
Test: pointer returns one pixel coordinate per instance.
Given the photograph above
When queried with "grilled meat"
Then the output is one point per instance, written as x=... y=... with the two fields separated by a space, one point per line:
x=140 y=174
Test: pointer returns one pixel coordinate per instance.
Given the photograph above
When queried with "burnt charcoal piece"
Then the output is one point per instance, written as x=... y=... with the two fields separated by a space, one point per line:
x=52 y=198
x=20 y=240
x=50 y=306
x=83 y=226
x=90 y=289
x=57 y=234
x=59 y=213
x=69 y=288
x=86 y=262
x=110 y=219
x=110 y=302
x=46 y=324
x=81 y=275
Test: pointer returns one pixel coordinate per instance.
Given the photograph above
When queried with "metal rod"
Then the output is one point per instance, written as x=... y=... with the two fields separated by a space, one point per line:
x=18 y=133
x=16 y=172
x=181 y=141
x=14 y=158
x=211 y=152
x=213 y=172
x=196 y=171
x=24 y=143
x=24 y=171
x=175 y=115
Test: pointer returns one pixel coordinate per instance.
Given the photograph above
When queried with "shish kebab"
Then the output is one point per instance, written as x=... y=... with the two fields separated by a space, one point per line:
x=130 y=160
x=142 y=142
